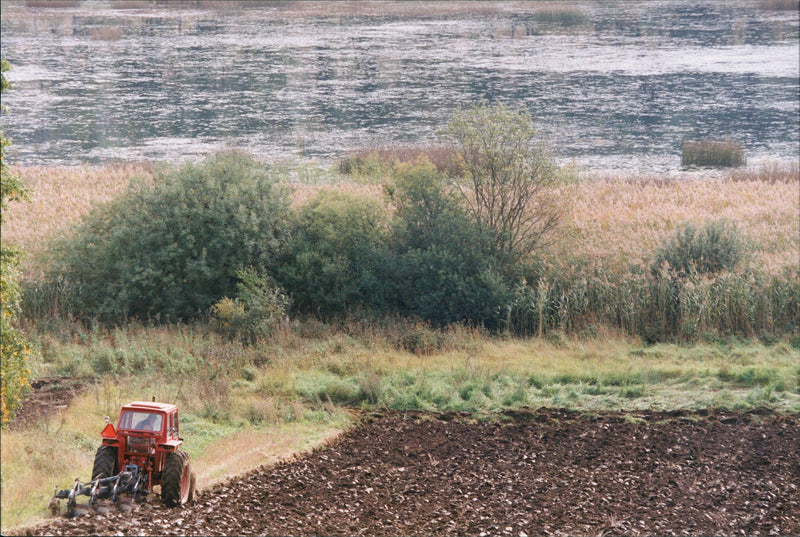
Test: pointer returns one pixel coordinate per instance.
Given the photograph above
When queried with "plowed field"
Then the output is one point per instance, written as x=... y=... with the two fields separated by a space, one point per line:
x=542 y=472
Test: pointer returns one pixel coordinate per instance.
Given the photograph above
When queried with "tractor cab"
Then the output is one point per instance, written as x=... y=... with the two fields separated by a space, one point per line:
x=142 y=416
x=146 y=432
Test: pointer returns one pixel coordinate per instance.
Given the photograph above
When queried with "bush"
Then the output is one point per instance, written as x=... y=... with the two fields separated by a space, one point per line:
x=712 y=153
x=715 y=247
x=446 y=267
x=259 y=307
x=14 y=348
x=172 y=250
x=337 y=259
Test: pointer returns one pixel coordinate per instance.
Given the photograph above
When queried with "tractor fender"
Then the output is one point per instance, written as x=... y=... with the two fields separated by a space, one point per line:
x=170 y=445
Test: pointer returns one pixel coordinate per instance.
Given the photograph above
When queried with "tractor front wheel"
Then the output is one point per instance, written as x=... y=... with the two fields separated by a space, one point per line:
x=177 y=479
x=105 y=462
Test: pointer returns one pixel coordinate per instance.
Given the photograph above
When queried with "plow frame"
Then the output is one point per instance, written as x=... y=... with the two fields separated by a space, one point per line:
x=130 y=480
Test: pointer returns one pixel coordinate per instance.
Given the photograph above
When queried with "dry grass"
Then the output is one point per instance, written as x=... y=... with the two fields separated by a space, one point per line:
x=769 y=172
x=624 y=219
x=59 y=198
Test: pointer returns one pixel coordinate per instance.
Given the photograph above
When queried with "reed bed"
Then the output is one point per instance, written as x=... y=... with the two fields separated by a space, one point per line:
x=712 y=153
x=564 y=15
x=377 y=162
x=769 y=172
x=622 y=219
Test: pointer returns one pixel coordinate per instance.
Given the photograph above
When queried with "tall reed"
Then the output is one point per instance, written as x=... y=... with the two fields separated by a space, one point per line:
x=712 y=153
x=563 y=15
x=582 y=299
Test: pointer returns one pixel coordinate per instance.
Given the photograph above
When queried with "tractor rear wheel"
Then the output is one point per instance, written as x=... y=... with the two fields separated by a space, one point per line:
x=176 y=479
x=105 y=462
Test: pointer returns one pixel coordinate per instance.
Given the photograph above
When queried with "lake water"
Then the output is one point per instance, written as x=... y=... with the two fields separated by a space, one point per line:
x=620 y=90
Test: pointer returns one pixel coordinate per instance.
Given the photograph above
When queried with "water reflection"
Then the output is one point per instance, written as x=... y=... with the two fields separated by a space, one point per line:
x=622 y=89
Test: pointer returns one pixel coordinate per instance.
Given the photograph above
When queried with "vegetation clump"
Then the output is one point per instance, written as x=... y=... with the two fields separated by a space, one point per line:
x=712 y=153
x=379 y=162
x=716 y=246
x=487 y=243
x=780 y=5
x=255 y=313
x=447 y=268
x=172 y=250
x=564 y=16
x=336 y=262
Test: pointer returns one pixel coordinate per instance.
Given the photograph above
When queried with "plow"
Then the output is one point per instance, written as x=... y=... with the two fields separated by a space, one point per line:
x=142 y=452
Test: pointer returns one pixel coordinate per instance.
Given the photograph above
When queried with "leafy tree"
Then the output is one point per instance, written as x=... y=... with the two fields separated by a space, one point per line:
x=337 y=257
x=172 y=249
x=14 y=349
x=445 y=268
x=506 y=177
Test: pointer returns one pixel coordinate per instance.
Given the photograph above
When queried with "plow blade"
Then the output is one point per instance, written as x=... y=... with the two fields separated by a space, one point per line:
x=101 y=492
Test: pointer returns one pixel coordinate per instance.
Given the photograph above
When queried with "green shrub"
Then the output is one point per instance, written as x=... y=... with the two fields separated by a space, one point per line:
x=337 y=259
x=715 y=247
x=259 y=307
x=446 y=268
x=507 y=178
x=421 y=339
x=712 y=153
x=172 y=250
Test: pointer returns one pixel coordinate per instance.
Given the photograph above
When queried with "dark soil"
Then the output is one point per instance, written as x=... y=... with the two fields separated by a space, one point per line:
x=544 y=472
x=48 y=396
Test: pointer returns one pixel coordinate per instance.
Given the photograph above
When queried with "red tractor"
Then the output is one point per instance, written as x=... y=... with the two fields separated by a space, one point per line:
x=141 y=453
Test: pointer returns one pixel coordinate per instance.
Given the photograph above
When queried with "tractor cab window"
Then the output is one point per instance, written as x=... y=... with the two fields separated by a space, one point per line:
x=140 y=421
